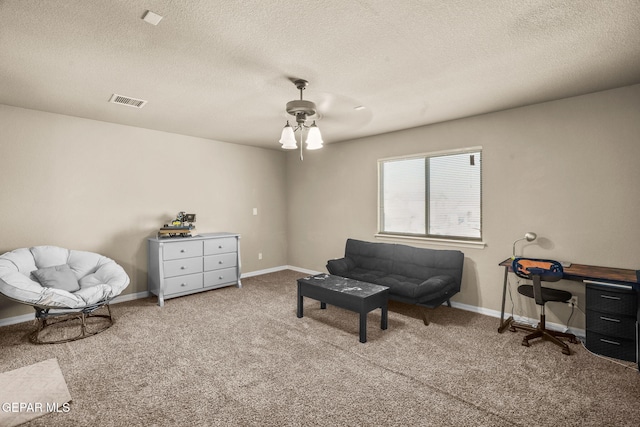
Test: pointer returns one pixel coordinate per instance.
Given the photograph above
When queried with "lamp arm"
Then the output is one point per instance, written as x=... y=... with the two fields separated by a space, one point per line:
x=513 y=253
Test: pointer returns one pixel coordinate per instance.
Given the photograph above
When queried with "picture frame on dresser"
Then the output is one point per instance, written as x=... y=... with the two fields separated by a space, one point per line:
x=180 y=266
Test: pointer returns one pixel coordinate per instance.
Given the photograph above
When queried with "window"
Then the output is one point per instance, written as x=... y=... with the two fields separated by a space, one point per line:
x=432 y=195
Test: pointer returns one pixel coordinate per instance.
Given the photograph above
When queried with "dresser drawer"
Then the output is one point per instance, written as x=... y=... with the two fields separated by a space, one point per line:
x=181 y=249
x=219 y=277
x=611 y=324
x=605 y=345
x=216 y=262
x=186 y=283
x=611 y=300
x=220 y=246
x=180 y=267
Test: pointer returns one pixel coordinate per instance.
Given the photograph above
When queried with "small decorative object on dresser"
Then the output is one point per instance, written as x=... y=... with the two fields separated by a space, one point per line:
x=183 y=266
x=182 y=226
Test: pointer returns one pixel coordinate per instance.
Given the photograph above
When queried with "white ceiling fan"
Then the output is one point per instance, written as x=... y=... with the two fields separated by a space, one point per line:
x=339 y=109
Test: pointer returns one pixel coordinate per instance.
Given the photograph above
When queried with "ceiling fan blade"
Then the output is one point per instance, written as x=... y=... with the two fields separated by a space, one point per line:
x=341 y=111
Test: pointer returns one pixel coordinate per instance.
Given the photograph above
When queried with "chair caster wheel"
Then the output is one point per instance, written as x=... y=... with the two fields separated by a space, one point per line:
x=566 y=351
x=525 y=343
x=512 y=328
x=574 y=341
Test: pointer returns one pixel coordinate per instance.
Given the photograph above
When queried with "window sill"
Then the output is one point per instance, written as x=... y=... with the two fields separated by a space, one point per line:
x=431 y=241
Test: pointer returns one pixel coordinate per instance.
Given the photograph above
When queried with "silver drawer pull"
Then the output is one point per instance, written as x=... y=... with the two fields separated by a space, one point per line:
x=183 y=268
x=220 y=247
x=183 y=284
x=608 y=319
x=221 y=277
x=609 y=341
x=609 y=297
x=183 y=250
x=220 y=262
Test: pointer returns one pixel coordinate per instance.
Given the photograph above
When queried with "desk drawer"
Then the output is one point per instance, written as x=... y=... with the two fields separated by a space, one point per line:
x=216 y=262
x=177 y=250
x=219 y=277
x=611 y=324
x=611 y=300
x=220 y=246
x=190 y=282
x=605 y=345
x=180 y=267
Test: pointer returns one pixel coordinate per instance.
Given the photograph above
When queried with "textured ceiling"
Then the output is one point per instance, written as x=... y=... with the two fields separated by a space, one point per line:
x=221 y=69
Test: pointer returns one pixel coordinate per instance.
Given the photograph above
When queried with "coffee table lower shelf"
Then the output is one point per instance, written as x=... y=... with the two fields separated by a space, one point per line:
x=361 y=297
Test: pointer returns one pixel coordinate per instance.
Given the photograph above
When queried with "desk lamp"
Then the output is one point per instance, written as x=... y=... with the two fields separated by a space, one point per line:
x=529 y=237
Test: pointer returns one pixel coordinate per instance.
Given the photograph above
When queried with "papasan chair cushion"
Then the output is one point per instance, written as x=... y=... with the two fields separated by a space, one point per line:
x=99 y=279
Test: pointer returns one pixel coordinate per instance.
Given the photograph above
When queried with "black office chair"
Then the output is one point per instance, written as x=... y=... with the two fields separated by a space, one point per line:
x=542 y=270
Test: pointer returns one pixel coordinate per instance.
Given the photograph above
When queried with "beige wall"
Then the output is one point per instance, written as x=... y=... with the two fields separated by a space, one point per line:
x=105 y=188
x=567 y=170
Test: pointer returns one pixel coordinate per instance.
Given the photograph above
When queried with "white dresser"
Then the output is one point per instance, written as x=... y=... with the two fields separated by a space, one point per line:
x=180 y=266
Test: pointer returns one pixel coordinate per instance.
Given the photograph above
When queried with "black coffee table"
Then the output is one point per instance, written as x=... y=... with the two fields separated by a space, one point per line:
x=361 y=297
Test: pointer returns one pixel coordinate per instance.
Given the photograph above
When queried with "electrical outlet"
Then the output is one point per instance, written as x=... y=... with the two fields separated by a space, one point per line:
x=259 y=255
x=573 y=302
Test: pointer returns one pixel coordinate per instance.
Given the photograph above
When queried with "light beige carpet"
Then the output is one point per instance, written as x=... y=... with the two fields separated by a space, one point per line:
x=241 y=357
x=32 y=391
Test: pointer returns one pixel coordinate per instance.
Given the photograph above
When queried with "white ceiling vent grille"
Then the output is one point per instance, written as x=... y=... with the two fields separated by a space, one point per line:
x=127 y=100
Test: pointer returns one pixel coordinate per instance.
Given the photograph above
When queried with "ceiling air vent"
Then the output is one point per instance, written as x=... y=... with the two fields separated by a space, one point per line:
x=128 y=101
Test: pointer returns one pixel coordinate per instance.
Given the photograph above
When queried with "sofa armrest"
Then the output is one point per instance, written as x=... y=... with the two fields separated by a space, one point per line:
x=340 y=266
x=436 y=288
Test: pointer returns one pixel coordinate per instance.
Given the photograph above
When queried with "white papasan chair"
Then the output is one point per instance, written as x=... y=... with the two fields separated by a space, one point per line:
x=62 y=284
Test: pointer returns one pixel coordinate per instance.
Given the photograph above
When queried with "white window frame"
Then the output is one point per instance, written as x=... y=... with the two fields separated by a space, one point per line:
x=431 y=239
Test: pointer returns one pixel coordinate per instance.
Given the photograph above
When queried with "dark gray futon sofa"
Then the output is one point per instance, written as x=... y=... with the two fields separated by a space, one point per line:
x=420 y=276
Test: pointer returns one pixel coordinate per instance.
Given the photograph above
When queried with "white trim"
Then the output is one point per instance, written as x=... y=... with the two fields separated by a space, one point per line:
x=29 y=317
x=581 y=333
x=261 y=272
x=18 y=319
x=279 y=268
x=431 y=241
x=130 y=297
x=304 y=270
x=480 y=310
x=433 y=153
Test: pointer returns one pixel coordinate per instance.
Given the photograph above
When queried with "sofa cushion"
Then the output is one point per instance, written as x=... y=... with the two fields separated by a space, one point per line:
x=400 y=285
x=370 y=256
x=425 y=263
x=364 y=275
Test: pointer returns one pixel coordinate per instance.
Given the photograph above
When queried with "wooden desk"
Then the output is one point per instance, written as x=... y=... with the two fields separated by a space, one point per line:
x=580 y=273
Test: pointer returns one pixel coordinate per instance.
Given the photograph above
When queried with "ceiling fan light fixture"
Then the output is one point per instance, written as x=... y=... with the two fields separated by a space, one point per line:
x=288 y=138
x=314 y=138
x=302 y=110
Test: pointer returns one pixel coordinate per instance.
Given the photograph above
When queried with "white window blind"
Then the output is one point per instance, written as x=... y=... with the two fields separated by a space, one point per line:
x=437 y=195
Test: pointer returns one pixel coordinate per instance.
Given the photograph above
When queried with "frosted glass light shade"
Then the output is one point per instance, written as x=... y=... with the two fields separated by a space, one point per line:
x=288 y=138
x=314 y=138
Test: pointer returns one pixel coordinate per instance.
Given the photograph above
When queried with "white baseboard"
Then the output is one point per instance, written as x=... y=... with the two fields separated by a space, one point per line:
x=520 y=319
x=481 y=310
x=18 y=319
x=131 y=297
x=29 y=317
x=261 y=272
